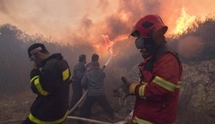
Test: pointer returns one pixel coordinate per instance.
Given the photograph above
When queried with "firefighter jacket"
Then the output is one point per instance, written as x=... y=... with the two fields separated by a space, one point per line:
x=51 y=84
x=157 y=93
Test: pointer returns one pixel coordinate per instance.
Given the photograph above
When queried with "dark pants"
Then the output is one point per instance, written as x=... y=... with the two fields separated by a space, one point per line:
x=76 y=95
x=90 y=101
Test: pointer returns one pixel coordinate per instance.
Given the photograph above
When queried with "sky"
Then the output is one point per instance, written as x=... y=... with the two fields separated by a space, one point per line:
x=86 y=21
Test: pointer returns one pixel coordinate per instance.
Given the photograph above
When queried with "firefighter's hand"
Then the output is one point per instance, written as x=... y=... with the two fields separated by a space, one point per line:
x=132 y=88
x=123 y=90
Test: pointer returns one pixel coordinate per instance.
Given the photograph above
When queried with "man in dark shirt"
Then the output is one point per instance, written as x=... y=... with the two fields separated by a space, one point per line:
x=93 y=81
x=78 y=73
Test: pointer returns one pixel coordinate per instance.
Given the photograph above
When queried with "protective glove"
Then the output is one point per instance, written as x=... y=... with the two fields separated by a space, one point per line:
x=132 y=88
x=123 y=90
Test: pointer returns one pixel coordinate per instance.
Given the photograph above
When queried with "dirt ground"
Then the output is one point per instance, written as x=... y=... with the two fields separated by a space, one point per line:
x=15 y=108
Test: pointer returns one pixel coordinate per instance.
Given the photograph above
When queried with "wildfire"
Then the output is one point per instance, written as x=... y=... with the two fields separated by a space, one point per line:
x=183 y=22
x=109 y=45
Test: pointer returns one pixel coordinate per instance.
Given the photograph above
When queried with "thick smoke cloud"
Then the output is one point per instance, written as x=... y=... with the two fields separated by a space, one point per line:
x=63 y=19
x=84 y=21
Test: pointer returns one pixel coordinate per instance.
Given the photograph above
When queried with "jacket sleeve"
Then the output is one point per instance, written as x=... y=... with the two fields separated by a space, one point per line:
x=166 y=78
x=35 y=81
x=44 y=82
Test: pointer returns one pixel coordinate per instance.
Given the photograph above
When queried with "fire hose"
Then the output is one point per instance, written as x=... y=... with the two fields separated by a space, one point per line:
x=83 y=96
x=79 y=101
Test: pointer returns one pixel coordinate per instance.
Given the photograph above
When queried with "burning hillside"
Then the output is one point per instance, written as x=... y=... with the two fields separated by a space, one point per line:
x=197 y=90
x=102 y=26
x=197 y=43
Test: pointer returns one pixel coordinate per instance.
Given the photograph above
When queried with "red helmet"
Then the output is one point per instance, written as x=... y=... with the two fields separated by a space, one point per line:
x=148 y=25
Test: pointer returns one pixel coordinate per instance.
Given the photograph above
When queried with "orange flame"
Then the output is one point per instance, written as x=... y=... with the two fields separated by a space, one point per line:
x=109 y=45
x=183 y=22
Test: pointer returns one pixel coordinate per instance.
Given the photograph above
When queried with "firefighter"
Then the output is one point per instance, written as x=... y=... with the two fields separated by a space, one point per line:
x=157 y=92
x=50 y=78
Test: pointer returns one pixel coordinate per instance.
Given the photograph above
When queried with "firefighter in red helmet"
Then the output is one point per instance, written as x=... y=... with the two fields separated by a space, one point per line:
x=157 y=92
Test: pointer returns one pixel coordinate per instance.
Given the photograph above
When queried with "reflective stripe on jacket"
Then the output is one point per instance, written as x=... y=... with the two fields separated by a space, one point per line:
x=38 y=121
x=141 y=121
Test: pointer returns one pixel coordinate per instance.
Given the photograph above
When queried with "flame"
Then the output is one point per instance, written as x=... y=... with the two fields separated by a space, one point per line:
x=109 y=44
x=183 y=22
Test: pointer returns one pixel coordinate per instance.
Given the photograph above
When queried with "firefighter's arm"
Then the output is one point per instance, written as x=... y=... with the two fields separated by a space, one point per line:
x=34 y=78
x=45 y=81
x=166 y=78
x=166 y=72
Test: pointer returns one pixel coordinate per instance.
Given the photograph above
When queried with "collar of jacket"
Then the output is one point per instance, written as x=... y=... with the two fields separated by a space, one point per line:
x=55 y=55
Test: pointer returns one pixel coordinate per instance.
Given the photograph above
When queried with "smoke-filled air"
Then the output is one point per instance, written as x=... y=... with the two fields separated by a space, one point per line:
x=84 y=22
x=86 y=27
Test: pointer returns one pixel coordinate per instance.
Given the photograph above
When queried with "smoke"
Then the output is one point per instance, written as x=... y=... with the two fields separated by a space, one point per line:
x=84 y=21
x=190 y=46
x=63 y=20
